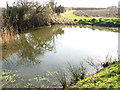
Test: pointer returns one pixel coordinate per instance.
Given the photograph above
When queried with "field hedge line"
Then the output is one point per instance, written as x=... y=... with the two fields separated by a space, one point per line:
x=111 y=22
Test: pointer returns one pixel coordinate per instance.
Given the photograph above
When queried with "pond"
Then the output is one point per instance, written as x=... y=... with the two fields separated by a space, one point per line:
x=37 y=54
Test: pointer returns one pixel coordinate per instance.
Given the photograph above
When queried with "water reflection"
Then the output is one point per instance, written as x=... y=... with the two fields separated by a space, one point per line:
x=41 y=50
x=29 y=45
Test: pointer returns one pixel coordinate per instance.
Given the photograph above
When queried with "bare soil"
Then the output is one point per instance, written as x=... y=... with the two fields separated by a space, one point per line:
x=97 y=13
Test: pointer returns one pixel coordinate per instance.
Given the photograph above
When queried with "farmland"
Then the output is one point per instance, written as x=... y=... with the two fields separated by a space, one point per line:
x=91 y=20
x=97 y=13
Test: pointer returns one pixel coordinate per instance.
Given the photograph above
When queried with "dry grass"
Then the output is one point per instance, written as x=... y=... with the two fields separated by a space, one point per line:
x=66 y=18
x=7 y=37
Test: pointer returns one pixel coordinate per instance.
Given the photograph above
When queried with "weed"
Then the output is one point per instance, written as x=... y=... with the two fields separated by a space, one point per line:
x=108 y=61
x=62 y=78
x=75 y=19
x=77 y=72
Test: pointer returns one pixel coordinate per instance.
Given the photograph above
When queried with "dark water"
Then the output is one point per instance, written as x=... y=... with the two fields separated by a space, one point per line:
x=42 y=51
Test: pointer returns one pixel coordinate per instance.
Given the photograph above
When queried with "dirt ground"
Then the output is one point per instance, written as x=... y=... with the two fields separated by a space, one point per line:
x=97 y=13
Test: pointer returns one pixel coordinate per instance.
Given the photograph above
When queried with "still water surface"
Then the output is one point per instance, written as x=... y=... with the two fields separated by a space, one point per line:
x=45 y=50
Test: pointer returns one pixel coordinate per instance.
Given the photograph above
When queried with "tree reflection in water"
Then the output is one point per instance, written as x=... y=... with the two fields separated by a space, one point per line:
x=29 y=45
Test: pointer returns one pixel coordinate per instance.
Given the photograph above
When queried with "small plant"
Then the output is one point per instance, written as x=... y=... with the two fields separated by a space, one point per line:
x=77 y=72
x=93 y=21
x=62 y=78
x=100 y=19
x=105 y=64
x=108 y=61
x=75 y=20
x=59 y=9
x=80 y=21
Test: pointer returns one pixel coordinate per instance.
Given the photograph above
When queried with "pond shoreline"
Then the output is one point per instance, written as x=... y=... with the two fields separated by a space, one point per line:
x=75 y=23
x=101 y=75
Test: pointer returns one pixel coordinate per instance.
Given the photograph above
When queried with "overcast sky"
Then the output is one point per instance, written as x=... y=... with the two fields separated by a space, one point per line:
x=73 y=3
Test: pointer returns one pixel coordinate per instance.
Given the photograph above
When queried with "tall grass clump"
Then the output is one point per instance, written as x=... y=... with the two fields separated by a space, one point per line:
x=72 y=75
x=62 y=78
x=108 y=61
x=77 y=72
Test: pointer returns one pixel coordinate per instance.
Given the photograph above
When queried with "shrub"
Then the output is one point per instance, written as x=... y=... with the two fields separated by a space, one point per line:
x=75 y=19
x=108 y=61
x=59 y=9
x=62 y=78
x=83 y=22
x=26 y=15
x=93 y=21
x=77 y=72
x=109 y=23
x=80 y=21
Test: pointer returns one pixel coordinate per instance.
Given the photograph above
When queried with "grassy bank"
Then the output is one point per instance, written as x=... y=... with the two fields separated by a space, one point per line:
x=107 y=78
x=100 y=21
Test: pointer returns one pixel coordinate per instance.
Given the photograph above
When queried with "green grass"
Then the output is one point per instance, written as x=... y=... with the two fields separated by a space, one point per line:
x=109 y=77
x=69 y=15
x=101 y=21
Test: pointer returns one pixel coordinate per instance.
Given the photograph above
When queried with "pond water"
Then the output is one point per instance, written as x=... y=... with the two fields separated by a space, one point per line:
x=45 y=50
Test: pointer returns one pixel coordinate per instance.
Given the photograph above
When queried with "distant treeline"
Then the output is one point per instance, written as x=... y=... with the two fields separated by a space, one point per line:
x=88 y=8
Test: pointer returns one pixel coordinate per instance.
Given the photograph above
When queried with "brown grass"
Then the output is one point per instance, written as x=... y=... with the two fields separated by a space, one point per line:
x=7 y=37
x=61 y=19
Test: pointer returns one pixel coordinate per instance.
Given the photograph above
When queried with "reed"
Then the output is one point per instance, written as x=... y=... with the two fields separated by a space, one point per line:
x=62 y=78
x=8 y=36
x=77 y=72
